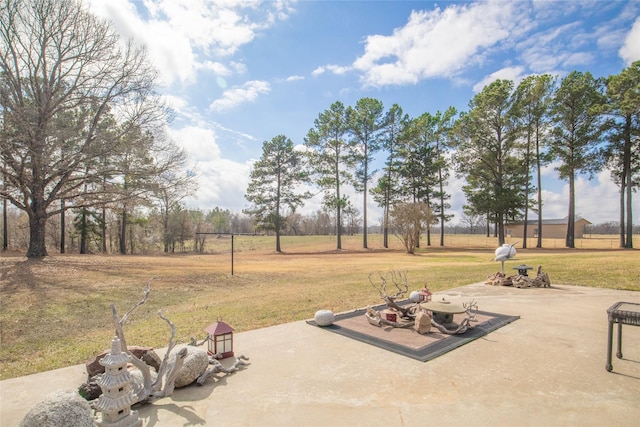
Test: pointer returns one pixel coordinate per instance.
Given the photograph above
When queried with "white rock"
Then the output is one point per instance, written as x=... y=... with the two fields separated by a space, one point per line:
x=62 y=408
x=324 y=317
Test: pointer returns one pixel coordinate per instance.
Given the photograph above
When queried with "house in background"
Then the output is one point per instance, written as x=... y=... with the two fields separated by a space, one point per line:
x=551 y=228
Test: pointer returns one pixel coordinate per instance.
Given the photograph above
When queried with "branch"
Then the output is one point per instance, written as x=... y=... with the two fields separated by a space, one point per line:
x=382 y=288
x=217 y=367
x=143 y=393
x=171 y=376
x=163 y=366
x=118 y=325
x=391 y=300
x=139 y=303
x=374 y=318
x=395 y=277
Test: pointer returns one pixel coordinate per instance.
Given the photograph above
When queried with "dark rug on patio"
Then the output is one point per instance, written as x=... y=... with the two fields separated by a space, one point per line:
x=408 y=342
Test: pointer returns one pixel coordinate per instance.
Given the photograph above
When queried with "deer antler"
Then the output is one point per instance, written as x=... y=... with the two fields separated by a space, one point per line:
x=401 y=283
x=382 y=287
x=397 y=276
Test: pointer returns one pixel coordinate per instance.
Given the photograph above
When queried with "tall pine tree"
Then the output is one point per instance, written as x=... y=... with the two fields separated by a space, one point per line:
x=272 y=189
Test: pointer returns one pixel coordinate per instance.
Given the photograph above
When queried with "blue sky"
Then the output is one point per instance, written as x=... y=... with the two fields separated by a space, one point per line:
x=238 y=73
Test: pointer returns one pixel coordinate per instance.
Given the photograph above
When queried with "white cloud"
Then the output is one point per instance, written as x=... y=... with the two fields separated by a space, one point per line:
x=182 y=36
x=550 y=169
x=168 y=49
x=216 y=67
x=318 y=71
x=248 y=92
x=555 y=205
x=199 y=142
x=597 y=199
x=294 y=78
x=546 y=10
x=437 y=43
x=221 y=182
x=220 y=27
x=630 y=51
x=335 y=69
x=178 y=104
x=547 y=50
x=509 y=73
x=578 y=59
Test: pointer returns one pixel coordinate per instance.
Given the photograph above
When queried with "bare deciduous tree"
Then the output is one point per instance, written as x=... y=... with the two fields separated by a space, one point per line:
x=65 y=77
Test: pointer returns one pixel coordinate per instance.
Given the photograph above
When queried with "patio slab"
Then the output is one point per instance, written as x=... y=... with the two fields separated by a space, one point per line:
x=547 y=368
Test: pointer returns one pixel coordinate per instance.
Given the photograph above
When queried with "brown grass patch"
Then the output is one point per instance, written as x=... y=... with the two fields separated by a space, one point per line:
x=56 y=312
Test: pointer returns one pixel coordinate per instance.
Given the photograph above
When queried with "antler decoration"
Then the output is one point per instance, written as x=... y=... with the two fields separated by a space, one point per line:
x=399 y=279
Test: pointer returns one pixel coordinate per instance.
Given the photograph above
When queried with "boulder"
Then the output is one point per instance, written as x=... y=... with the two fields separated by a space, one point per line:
x=146 y=354
x=137 y=378
x=195 y=364
x=60 y=409
x=324 y=317
x=91 y=390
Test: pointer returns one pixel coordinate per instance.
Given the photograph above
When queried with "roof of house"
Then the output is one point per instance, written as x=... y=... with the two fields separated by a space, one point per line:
x=559 y=221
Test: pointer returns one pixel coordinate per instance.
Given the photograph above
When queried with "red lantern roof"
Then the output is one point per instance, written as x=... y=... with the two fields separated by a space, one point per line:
x=218 y=328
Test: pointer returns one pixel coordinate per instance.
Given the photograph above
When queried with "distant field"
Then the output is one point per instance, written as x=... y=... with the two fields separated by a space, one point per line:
x=295 y=244
x=56 y=312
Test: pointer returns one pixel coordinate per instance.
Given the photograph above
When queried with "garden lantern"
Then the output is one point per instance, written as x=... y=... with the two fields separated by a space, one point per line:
x=220 y=340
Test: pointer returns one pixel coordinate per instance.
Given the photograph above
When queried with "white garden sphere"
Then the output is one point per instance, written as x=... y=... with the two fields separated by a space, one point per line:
x=324 y=317
x=414 y=297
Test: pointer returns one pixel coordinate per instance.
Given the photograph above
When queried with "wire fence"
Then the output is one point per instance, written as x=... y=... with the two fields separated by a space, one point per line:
x=355 y=242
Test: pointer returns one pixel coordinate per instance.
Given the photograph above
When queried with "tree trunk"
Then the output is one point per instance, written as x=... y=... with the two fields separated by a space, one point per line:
x=526 y=192
x=62 y=227
x=103 y=230
x=571 y=220
x=278 y=219
x=338 y=212
x=364 y=227
x=488 y=227
x=132 y=245
x=364 y=207
x=629 y=239
x=123 y=233
x=441 y=206
x=500 y=227
x=621 y=226
x=37 y=246
x=539 y=243
x=5 y=225
x=277 y=224
x=165 y=230
x=83 y=231
x=629 y=182
x=387 y=201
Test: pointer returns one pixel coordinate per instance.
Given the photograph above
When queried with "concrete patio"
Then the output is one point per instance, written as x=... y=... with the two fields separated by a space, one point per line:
x=547 y=368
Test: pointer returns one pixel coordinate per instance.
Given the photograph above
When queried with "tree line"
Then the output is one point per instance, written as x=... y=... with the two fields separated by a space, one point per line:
x=81 y=134
x=499 y=147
